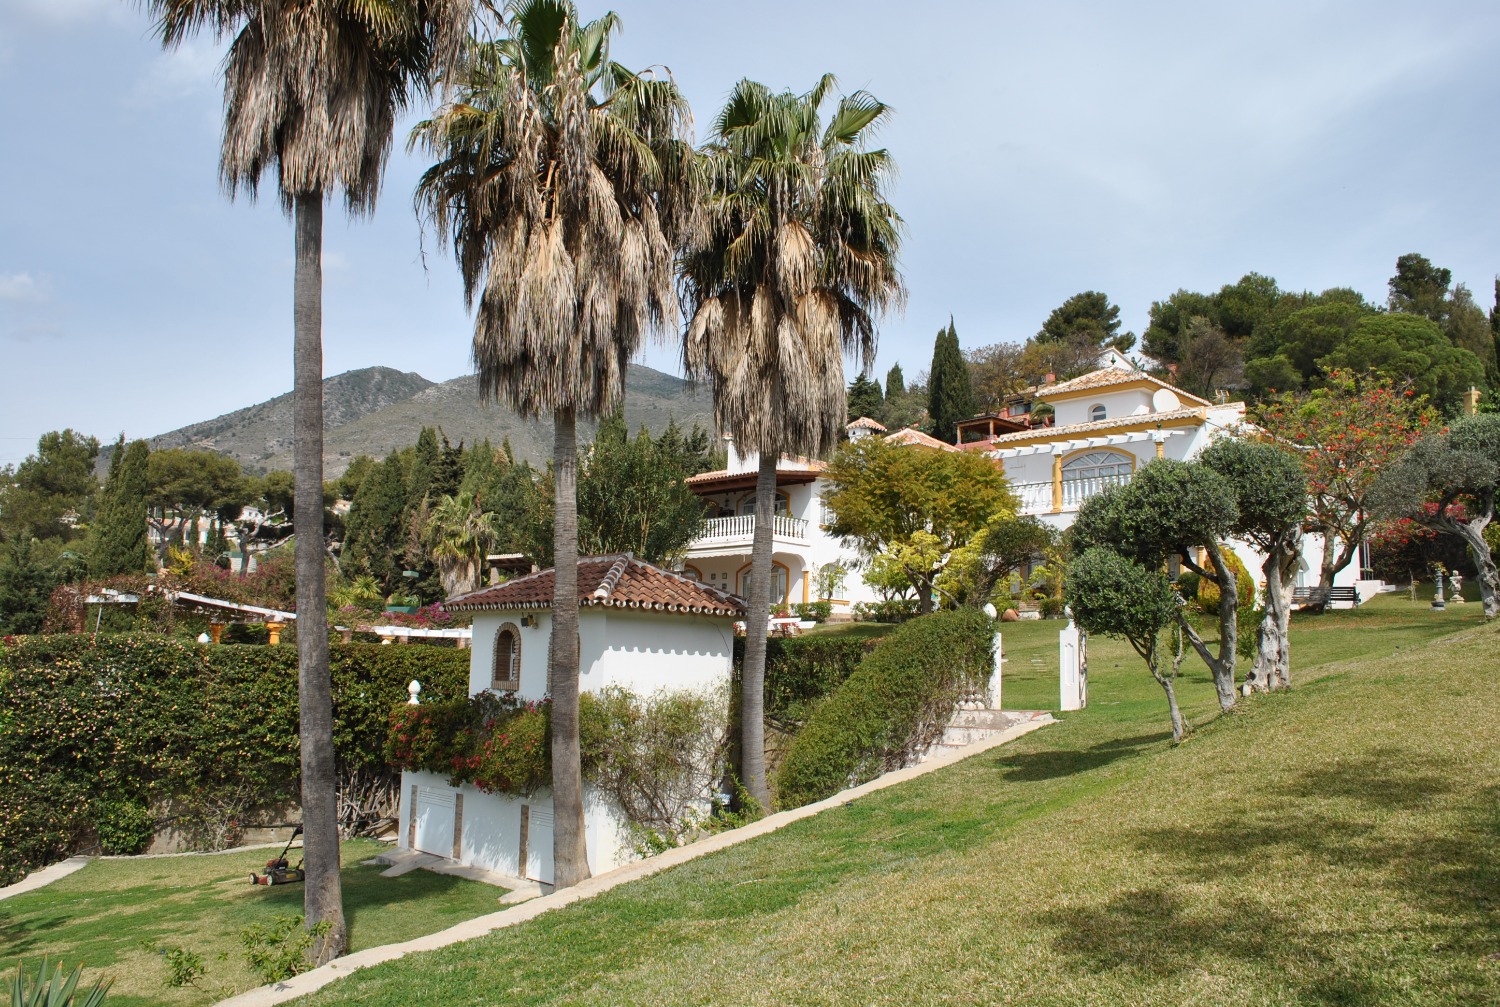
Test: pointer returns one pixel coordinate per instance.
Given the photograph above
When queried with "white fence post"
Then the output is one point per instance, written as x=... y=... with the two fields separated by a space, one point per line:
x=1073 y=681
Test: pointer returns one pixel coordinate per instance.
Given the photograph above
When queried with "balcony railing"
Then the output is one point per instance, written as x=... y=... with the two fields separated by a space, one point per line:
x=742 y=526
x=1038 y=498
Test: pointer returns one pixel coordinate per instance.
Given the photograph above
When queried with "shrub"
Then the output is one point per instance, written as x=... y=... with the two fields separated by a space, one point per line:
x=279 y=951
x=802 y=670
x=1051 y=607
x=891 y=610
x=57 y=989
x=1208 y=588
x=817 y=611
x=199 y=735
x=124 y=828
x=891 y=708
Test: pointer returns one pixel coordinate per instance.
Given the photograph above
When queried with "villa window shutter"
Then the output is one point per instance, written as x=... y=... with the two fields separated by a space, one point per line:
x=505 y=671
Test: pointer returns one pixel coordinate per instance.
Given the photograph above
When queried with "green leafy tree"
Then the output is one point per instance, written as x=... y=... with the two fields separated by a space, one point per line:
x=950 y=391
x=375 y=530
x=632 y=497
x=790 y=270
x=1468 y=328
x=979 y=570
x=25 y=587
x=1112 y=595
x=562 y=179
x=117 y=538
x=912 y=508
x=1174 y=508
x=1088 y=317
x=50 y=493
x=1420 y=288
x=1447 y=482
x=1270 y=491
x=864 y=399
x=460 y=534
x=1409 y=347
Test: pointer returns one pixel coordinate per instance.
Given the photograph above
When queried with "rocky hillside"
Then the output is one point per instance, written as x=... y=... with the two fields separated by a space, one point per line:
x=376 y=410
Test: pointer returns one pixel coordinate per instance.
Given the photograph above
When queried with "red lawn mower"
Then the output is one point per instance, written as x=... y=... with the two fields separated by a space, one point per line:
x=278 y=870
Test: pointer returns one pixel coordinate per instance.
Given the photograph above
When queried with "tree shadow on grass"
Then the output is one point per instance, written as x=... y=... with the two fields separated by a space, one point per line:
x=1393 y=819
x=16 y=939
x=1051 y=764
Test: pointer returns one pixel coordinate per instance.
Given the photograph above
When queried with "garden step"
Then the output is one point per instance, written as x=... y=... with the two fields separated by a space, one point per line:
x=995 y=720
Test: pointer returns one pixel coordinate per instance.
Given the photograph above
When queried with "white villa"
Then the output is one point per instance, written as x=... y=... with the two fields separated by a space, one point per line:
x=1106 y=425
x=640 y=627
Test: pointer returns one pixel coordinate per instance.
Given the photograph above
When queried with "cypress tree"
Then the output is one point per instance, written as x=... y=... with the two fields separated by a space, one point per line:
x=895 y=383
x=25 y=588
x=950 y=391
x=376 y=525
x=117 y=537
x=864 y=399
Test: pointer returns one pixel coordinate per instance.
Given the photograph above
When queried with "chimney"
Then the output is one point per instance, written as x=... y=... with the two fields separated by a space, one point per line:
x=1471 y=401
x=1049 y=379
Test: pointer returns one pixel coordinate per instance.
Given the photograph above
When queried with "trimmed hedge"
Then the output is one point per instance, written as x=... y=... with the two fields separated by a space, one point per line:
x=96 y=732
x=801 y=670
x=891 y=708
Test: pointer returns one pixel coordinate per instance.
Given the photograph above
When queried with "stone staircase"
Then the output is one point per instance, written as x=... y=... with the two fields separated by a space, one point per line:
x=972 y=724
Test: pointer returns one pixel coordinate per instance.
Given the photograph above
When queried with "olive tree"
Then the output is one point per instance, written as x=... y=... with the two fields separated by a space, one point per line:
x=1174 y=508
x=1112 y=595
x=1270 y=492
x=1447 y=482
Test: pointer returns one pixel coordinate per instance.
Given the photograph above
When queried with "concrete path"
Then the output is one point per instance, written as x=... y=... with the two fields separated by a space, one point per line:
x=307 y=982
x=45 y=876
x=399 y=862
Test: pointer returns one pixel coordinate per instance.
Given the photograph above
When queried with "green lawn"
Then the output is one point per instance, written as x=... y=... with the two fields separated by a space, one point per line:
x=102 y=914
x=1339 y=844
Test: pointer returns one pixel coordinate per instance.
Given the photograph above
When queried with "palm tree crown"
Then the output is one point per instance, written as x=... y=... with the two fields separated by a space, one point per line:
x=562 y=182
x=792 y=259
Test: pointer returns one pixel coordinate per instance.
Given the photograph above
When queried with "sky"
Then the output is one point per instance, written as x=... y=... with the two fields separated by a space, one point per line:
x=1044 y=149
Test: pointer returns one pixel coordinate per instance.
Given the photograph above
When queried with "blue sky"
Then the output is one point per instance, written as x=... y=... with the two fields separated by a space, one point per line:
x=1044 y=149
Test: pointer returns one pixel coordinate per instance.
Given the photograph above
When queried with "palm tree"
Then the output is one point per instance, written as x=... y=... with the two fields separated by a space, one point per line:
x=311 y=90
x=791 y=261
x=562 y=181
x=460 y=535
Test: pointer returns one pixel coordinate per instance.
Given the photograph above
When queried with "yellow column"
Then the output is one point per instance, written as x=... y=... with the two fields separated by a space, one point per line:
x=806 y=586
x=1161 y=449
x=1057 y=497
x=273 y=631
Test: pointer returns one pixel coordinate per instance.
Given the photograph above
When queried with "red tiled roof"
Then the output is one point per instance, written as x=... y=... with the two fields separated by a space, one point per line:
x=915 y=437
x=865 y=423
x=609 y=582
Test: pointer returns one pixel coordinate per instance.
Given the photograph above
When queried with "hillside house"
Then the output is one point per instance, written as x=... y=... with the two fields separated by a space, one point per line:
x=639 y=627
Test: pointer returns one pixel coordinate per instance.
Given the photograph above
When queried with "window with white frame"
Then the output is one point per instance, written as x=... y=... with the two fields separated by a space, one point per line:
x=1098 y=465
x=1098 y=412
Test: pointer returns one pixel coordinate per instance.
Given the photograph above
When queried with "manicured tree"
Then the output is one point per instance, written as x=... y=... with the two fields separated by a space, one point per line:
x=950 y=389
x=1448 y=482
x=312 y=89
x=562 y=179
x=1114 y=596
x=1271 y=494
x=915 y=507
x=1174 y=508
x=1346 y=434
x=791 y=264
x=117 y=537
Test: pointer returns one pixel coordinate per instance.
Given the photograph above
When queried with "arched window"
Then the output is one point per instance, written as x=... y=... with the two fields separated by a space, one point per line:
x=1097 y=412
x=779 y=578
x=783 y=504
x=1098 y=464
x=505 y=673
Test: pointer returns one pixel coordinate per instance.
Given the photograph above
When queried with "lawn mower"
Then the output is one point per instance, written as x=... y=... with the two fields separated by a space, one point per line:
x=278 y=870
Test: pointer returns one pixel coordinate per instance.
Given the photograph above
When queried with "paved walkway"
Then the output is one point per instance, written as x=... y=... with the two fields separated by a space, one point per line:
x=307 y=982
x=44 y=877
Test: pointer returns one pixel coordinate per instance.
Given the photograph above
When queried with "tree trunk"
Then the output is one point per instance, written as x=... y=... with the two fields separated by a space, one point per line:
x=757 y=616
x=323 y=898
x=1334 y=562
x=1472 y=532
x=1179 y=727
x=1273 y=659
x=570 y=861
x=1229 y=613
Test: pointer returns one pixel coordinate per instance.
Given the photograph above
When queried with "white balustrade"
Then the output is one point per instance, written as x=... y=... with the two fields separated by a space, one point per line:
x=742 y=526
x=1036 y=498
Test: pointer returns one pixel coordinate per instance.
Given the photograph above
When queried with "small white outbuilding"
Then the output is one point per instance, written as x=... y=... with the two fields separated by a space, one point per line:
x=640 y=627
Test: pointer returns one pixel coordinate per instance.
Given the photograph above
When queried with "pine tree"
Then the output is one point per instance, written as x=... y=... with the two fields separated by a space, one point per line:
x=950 y=391
x=25 y=588
x=117 y=537
x=864 y=398
x=376 y=530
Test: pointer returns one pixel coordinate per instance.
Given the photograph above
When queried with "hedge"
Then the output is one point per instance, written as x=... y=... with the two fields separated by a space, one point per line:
x=891 y=708
x=802 y=670
x=104 y=739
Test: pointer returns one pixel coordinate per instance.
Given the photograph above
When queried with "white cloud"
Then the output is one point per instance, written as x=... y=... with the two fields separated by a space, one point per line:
x=20 y=288
x=190 y=69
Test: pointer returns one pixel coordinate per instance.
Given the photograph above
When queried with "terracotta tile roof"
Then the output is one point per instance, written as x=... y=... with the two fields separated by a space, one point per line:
x=1107 y=376
x=917 y=438
x=802 y=467
x=620 y=581
x=1063 y=433
x=865 y=423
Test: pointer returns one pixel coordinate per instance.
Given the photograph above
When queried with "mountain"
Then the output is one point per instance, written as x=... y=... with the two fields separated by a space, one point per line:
x=377 y=410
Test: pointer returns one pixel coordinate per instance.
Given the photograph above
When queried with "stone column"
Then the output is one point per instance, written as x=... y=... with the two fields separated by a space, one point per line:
x=1057 y=494
x=1072 y=673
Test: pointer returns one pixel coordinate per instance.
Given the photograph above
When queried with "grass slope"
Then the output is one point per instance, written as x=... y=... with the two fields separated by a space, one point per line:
x=1334 y=845
x=103 y=914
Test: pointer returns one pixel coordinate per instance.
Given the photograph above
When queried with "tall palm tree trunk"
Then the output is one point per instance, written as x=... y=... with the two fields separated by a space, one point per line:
x=757 y=617
x=323 y=898
x=570 y=863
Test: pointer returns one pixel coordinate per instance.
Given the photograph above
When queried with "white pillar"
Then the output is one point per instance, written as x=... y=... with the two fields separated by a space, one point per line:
x=1073 y=682
x=992 y=695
